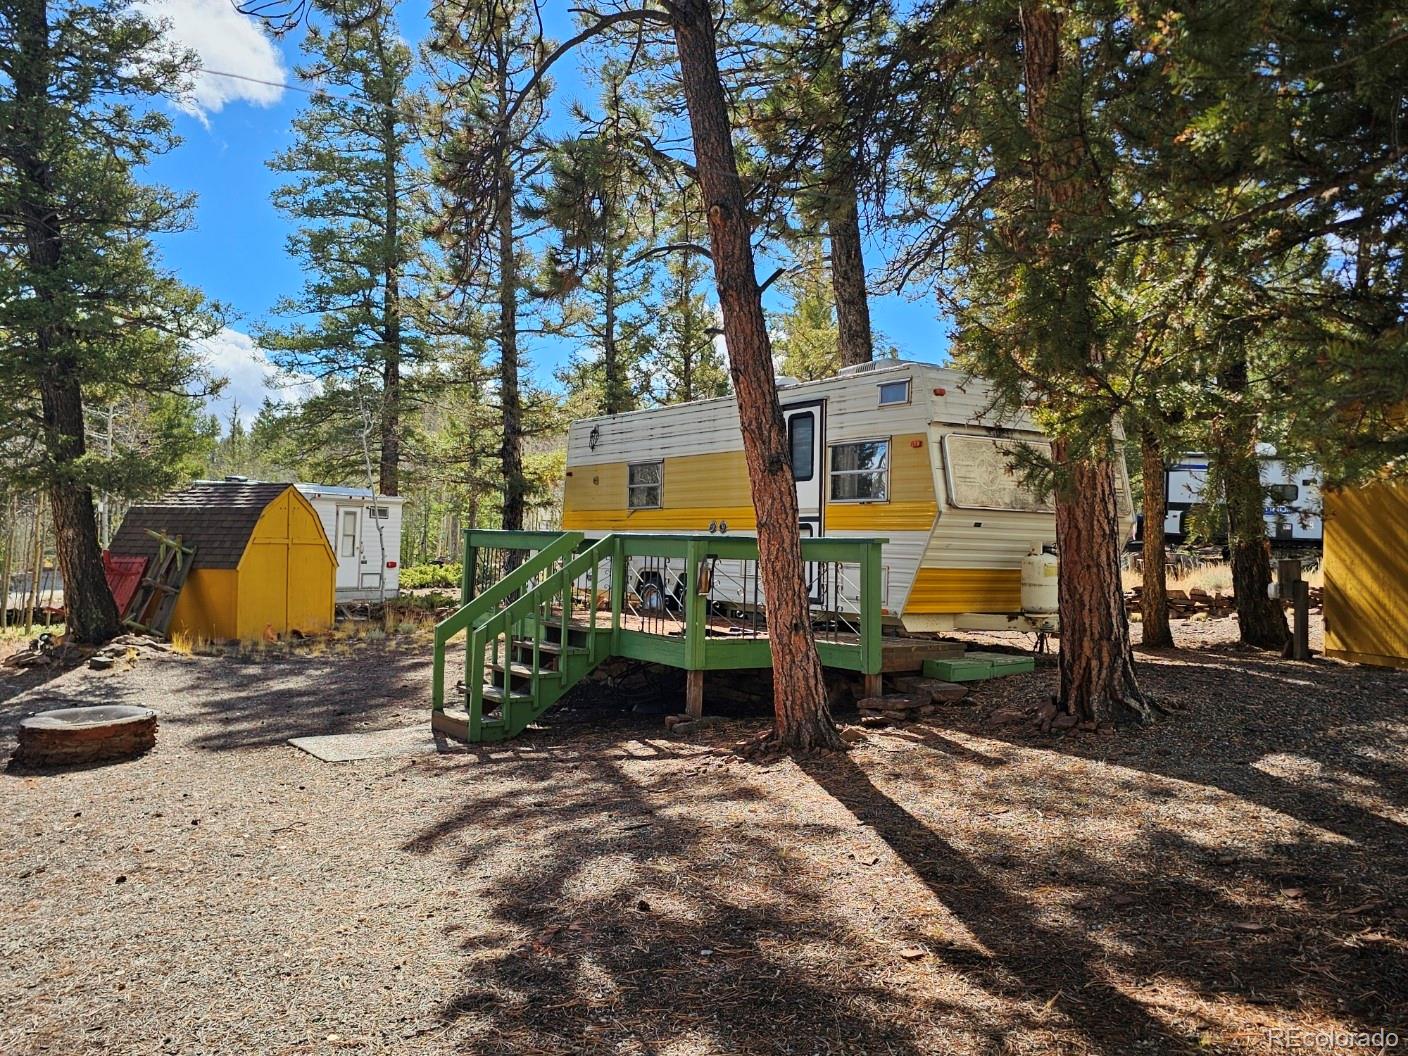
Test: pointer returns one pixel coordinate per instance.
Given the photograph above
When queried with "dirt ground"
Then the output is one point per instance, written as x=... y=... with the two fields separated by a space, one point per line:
x=953 y=887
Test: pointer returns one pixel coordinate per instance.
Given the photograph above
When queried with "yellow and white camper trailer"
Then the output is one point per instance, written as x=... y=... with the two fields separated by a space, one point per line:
x=907 y=452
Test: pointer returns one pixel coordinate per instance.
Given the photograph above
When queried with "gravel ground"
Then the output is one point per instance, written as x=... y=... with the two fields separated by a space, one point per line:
x=953 y=887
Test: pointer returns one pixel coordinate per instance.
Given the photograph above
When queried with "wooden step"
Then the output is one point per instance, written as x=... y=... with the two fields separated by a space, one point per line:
x=498 y=696
x=521 y=672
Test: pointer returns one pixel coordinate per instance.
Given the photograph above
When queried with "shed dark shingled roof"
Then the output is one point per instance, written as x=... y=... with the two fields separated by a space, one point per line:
x=217 y=517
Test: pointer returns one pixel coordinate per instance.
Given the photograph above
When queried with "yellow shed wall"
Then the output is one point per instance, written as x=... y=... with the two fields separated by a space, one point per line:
x=1366 y=574
x=287 y=576
x=205 y=608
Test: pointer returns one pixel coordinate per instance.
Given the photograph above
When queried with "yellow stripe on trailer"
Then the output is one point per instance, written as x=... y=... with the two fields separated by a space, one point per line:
x=954 y=590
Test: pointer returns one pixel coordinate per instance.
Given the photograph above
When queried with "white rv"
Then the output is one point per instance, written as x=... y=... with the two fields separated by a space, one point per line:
x=365 y=533
x=1292 y=504
x=908 y=452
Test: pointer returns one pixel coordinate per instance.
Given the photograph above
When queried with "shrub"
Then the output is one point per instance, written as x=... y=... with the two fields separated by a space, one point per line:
x=417 y=577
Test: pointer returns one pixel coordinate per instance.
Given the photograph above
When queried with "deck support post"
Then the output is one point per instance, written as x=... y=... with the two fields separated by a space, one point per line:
x=872 y=645
x=696 y=626
x=694 y=694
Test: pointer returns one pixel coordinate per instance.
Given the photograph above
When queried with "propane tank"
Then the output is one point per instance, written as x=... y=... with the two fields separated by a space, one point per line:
x=1040 y=570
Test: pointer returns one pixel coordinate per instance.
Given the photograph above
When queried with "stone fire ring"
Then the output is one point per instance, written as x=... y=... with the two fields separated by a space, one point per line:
x=71 y=736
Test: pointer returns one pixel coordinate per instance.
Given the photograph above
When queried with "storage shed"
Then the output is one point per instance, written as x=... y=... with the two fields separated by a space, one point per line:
x=1366 y=574
x=262 y=565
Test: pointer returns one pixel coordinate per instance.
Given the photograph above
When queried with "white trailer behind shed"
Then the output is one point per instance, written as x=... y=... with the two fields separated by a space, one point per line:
x=365 y=533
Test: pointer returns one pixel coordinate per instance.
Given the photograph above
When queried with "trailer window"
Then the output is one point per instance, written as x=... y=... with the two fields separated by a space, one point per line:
x=643 y=485
x=894 y=392
x=860 y=472
x=981 y=475
x=349 y=533
x=801 y=434
x=1284 y=492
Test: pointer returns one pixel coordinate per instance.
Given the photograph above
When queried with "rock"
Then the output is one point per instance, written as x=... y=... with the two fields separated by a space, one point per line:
x=101 y=662
x=892 y=702
x=913 y=953
x=852 y=734
x=935 y=689
x=1064 y=722
x=1008 y=716
x=671 y=721
x=1047 y=711
x=1089 y=726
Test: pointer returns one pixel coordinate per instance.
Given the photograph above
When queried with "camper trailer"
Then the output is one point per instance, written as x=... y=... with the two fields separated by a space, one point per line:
x=906 y=452
x=1292 y=505
x=365 y=533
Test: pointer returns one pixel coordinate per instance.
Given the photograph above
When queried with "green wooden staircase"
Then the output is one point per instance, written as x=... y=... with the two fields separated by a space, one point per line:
x=530 y=637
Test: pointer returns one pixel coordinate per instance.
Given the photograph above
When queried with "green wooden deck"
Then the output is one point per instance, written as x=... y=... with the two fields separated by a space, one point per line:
x=540 y=610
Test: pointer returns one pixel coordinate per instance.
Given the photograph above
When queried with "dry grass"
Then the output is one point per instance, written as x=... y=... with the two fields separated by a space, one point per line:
x=187 y=644
x=1215 y=577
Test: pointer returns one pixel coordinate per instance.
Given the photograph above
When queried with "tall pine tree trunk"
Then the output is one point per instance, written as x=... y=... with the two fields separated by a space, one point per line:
x=511 y=448
x=615 y=395
x=1260 y=620
x=1097 y=659
x=91 y=613
x=389 y=470
x=802 y=717
x=1153 y=600
x=848 y=274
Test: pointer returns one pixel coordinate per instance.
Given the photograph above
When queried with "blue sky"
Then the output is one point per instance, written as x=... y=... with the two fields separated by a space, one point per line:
x=236 y=251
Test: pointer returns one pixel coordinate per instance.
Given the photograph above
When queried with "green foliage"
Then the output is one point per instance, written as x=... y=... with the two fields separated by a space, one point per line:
x=84 y=304
x=601 y=198
x=419 y=577
x=804 y=336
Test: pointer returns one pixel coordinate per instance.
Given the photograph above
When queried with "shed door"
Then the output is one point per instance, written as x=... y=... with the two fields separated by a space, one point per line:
x=349 y=547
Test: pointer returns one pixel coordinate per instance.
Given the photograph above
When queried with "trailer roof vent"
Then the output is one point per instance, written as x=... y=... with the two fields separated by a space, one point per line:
x=865 y=368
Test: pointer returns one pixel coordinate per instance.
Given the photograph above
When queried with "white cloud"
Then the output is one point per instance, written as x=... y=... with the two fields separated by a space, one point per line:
x=234 y=356
x=226 y=41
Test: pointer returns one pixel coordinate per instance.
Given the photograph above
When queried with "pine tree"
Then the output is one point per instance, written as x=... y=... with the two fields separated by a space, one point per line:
x=354 y=187
x=809 y=127
x=806 y=333
x=687 y=362
x=487 y=148
x=602 y=200
x=84 y=307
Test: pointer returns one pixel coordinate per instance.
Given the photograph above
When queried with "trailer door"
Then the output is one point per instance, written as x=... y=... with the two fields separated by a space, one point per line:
x=805 y=442
x=349 y=547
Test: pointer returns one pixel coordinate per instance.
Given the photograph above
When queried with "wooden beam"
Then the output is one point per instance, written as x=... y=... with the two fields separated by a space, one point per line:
x=694 y=693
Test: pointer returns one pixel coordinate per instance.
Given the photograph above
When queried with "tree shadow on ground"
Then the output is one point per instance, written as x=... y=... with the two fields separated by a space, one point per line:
x=1229 y=733
x=248 y=701
x=1163 y=917
x=622 y=922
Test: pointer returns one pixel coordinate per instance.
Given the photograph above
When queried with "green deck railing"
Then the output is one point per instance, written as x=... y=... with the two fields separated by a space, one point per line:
x=700 y=619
